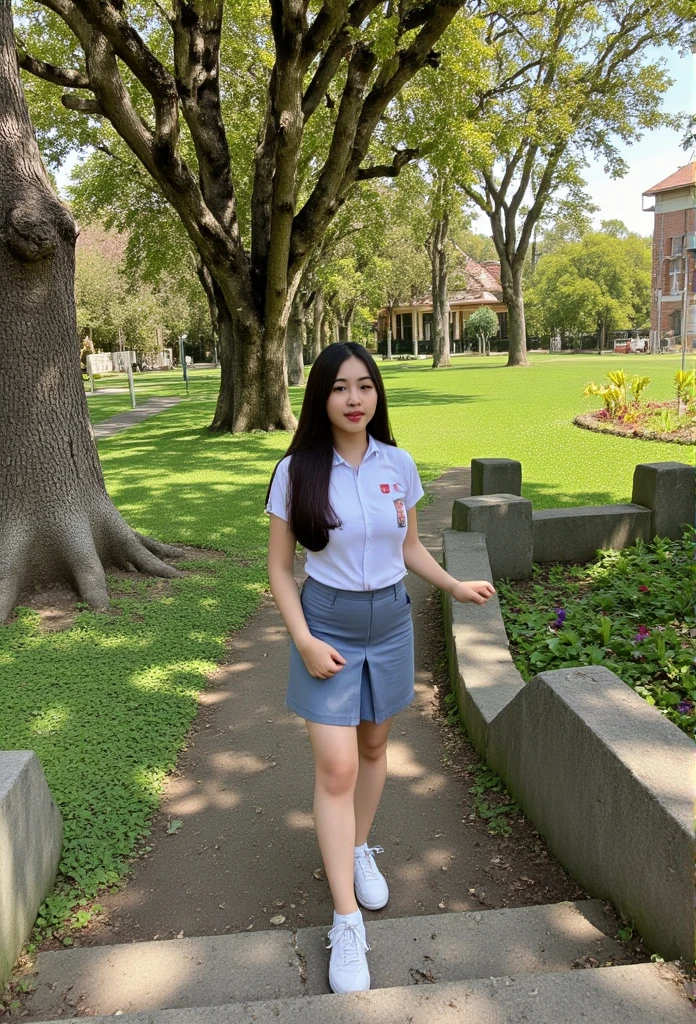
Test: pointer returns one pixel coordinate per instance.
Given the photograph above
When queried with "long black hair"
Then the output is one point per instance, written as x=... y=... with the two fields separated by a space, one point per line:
x=310 y=513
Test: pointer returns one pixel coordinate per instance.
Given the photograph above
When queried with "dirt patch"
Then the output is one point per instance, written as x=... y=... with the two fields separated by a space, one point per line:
x=590 y=421
x=57 y=606
x=196 y=554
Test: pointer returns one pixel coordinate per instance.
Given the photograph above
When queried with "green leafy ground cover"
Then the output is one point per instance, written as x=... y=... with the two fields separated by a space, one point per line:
x=107 y=703
x=633 y=611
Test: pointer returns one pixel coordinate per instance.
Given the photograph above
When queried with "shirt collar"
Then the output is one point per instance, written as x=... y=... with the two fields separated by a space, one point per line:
x=372 y=449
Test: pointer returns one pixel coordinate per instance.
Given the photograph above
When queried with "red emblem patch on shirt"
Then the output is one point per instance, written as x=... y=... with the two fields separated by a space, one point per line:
x=384 y=488
x=398 y=488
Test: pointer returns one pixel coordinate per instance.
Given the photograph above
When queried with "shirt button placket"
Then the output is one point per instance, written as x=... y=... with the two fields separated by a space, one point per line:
x=368 y=529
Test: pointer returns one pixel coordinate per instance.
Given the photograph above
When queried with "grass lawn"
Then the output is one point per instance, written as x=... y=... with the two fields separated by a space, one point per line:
x=107 y=703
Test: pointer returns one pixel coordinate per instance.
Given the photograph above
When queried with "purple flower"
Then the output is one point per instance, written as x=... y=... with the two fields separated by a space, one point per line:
x=685 y=707
x=643 y=631
x=560 y=618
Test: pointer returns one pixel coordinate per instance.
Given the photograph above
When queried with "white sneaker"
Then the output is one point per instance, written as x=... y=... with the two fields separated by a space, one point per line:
x=371 y=886
x=348 y=970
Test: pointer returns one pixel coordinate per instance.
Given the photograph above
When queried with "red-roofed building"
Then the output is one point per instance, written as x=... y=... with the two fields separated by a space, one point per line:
x=411 y=322
x=674 y=247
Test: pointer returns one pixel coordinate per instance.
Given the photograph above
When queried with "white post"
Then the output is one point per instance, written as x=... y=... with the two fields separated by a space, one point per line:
x=415 y=318
x=131 y=385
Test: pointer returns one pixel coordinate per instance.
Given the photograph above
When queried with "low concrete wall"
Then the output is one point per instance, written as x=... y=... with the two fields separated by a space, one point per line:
x=577 y=534
x=604 y=777
x=486 y=679
x=610 y=783
x=31 y=836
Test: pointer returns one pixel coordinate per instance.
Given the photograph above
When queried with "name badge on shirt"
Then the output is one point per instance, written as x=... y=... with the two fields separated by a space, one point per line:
x=400 y=506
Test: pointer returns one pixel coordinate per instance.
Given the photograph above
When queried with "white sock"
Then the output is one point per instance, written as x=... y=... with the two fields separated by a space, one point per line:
x=354 y=918
x=360 y=849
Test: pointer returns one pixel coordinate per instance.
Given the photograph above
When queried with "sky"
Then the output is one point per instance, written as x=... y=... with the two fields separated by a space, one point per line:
x=656 y=156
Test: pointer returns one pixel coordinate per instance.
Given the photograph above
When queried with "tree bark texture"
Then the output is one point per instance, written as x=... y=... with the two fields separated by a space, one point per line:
x=255 y=285
x=57 y=522
x=319 y=326
x=295 y=340
x=511 y=280
x=440 y=283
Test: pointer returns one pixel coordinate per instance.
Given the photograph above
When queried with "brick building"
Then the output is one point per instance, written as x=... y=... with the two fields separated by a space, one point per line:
x=411 y=321
x=673 y=258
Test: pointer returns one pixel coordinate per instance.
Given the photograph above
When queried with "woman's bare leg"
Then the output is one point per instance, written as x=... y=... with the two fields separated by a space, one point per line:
x=372 y=754
x=335 y=750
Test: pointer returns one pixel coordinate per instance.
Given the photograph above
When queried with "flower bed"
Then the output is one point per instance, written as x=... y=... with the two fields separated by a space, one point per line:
x=631 y=610
x=625 y=413
x=654 y=421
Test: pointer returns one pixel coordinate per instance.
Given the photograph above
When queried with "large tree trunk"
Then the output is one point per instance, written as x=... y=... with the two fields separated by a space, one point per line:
x=511 y=280
x=295 y=340
x=440 y=268
x=56 y=519
x=253 y=384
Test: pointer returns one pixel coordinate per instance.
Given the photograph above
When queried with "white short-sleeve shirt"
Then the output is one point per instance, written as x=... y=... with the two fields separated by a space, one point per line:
x=371 y=501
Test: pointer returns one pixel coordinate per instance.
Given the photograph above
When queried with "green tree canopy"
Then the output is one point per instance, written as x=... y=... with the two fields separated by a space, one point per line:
x=599 y=284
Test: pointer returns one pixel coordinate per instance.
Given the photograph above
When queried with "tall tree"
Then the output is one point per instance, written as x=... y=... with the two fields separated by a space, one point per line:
x=56 y=519
x=567 y=78
x=144 y=72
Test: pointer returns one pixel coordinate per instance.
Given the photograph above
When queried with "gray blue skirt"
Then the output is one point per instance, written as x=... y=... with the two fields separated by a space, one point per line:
x=373 y=631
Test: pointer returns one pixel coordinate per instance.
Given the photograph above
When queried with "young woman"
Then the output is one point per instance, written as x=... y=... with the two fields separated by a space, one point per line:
x=348 y=494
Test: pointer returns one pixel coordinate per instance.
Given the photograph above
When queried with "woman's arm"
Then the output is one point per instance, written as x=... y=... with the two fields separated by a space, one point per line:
x=418 y=559
x=321 y=659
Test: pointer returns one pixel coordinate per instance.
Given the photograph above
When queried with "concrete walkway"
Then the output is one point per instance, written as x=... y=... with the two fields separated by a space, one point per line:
x=115 y=424
x=246 y=851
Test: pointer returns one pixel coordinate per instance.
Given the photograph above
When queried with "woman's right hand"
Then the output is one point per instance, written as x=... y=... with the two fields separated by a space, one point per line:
x=322 y=661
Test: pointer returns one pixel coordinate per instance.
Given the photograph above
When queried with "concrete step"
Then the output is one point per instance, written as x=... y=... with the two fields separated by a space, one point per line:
x=638 y=994
x=271 y=965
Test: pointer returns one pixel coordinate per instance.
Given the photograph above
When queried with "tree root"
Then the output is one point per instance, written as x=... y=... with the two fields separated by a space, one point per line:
x=77 y=546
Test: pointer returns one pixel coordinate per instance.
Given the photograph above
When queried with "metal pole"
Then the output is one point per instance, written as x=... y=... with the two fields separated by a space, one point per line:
x=131 y=385
x=182 y=357
x=685 y=308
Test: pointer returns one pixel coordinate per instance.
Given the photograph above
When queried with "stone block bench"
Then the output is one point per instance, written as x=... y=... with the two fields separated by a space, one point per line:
x=31 y=835
x=663 y=502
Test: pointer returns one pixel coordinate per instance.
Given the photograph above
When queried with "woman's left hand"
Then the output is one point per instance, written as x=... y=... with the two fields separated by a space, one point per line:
x=476 y=591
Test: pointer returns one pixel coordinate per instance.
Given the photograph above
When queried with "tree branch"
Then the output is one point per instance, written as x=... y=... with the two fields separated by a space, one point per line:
x=130 y=47
x=85 y=106
x=478 y=199
x=355 y=125
x=401 y=158
x=67 y=78
x=197 y=67
x=339 y=47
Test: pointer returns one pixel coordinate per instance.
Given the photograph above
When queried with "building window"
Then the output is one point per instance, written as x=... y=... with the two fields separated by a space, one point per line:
x=404 y=327
x=675 y=275
x=677 y=245
x=427 y=326
x=502 y=326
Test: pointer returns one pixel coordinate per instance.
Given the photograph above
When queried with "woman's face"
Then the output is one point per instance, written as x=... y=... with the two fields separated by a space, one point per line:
x=353 y=399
